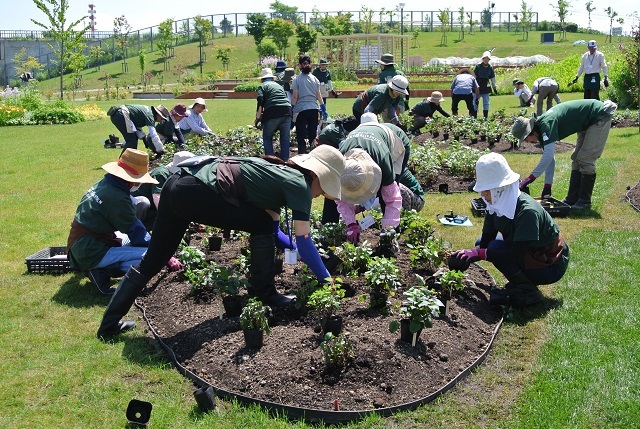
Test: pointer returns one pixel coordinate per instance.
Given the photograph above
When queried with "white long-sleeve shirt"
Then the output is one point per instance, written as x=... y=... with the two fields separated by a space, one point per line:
x=593 y=64
x=194 y=122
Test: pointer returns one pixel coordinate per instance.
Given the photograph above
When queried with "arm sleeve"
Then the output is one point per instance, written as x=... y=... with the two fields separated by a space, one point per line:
x=547 y=158
x=179 y=136
x=311 y=257
x=138 y=234
x=393 y=200
x=347 y=211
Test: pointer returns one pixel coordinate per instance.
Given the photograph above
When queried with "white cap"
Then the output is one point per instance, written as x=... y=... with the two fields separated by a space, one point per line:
x=368 y=117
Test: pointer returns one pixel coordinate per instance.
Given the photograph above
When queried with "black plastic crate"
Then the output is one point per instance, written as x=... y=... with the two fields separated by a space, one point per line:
x=478 y=206
x=52 y=260
x=554 y=207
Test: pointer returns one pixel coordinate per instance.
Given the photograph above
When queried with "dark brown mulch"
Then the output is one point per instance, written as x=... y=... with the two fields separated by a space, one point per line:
x=290 y=370
x=633 y=196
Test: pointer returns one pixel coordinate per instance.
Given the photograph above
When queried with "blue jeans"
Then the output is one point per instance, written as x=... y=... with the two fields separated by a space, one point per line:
x=125 y=256
x=269 y=128
x=485 y=101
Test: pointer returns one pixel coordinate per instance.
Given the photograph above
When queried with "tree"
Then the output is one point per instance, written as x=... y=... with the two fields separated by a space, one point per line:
x=306 y=37
x=366 y=20
x=471 y=21
x=76 y=63
x=280 y=30
x=202 y=27
x=281 y=10
x=589 y=10
x=25 y=63
x=63 y=35
x=226 y=26
x=461 y=21
x=223 y=53
x=336 y=25
x=121 y=30
x=165 y=35
x=525 y=18
x=611 y=14
x=562 y=9
x=96 y=53
x=256 y=24
x=443 y=17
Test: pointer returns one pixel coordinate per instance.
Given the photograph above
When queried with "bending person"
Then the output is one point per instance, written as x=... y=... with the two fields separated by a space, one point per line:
x=243 y=194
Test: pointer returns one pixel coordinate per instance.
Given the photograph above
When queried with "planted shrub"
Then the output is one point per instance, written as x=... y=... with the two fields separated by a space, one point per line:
x=338 y=351
x=420 y=306
x=326 y=300
x=354 y=258
x=255 y=316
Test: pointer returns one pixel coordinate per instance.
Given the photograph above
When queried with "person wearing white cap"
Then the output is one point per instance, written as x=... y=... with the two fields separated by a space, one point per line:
x=424 y=110
x=592 y=64
x=486 y=77
x=531 y=251
x=150 y=192
x=244 y=194
x=273 y=113
x=193 y=124
x=388 y=147
x=382 y=99
x=93 y=245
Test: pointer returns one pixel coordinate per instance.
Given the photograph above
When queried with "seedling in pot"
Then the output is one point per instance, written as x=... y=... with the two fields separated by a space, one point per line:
x=338 y=351
x=451 y=282
x=326 y=302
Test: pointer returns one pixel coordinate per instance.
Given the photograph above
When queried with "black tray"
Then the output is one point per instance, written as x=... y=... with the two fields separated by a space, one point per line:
x=554 y=207
x=478 y=206
x=52 y=260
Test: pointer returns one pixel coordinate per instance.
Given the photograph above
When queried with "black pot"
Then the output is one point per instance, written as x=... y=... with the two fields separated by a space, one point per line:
x=349 y=290
x=444 y=188
x=445 y=136
x=253 y=338
x=483 y=138
x=474 y=140
x=333 y=324
x=206 y=398
x=232 y=305
x=215 y=243
x=405 y=333
x=435 y=134
x=378 y=300
x=332 y=262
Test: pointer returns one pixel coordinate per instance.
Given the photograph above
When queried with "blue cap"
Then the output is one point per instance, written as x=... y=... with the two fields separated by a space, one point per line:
x=280 y=64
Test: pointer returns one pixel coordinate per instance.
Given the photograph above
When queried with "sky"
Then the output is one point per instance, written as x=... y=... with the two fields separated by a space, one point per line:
x=17 y=15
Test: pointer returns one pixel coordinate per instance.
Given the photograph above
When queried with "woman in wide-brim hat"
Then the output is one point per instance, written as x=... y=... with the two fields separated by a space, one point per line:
x=244 y=194
x=107 y=208
x=530 y=251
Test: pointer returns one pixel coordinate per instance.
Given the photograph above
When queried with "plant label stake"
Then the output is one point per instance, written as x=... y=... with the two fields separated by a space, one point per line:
x=221 y=310
x=446 y=308
x=366 y=222
x=335 y=405
x=415 y=338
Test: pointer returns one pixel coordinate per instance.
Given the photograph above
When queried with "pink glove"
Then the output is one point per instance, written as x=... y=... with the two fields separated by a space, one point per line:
x=463 y=258
x=525 y=182
x=174 y=264
x=353 y=233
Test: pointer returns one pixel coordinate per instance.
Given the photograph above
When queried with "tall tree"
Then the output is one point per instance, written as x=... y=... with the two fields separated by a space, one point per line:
x=281 y=10
x=61 y=34
x=202 y=27
x=611 y=14
x=590 y=9
x=306 y=37
x=461 y=21
x=562 y=9
x=280 y=30
x=444 y=18
x=525 y=18
x=165 y=34
x=121 y=30
x=336 y=25
x=256 y=24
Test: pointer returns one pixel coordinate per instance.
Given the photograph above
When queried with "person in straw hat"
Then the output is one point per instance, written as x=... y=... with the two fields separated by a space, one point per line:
x=388 y=148
x=106 y=237
x=245 y=194
x=193 y=124
x=130 y=119
x=382 y=99
x=424 y=111
x=531 y=251
x=273 y=114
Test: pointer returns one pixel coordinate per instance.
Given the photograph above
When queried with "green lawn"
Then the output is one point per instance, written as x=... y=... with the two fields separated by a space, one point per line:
x=570 y=364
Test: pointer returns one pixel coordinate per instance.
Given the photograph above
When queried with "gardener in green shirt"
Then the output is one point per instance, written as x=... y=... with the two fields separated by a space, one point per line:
x=424 y=110
x=244 y=194
x=531 y=250
x=486 y=78
x=591 y=120
x=382 y=99
x=273 y=113
x=129 y=119
x=169 y=130
x=387 y=71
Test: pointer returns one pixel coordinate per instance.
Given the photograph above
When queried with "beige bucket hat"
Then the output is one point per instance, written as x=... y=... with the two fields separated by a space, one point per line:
x=328 y=164
x=361 y=178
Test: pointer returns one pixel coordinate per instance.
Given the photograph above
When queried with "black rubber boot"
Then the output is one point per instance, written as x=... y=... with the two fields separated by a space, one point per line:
x=262 y=271
x=521 y=292
x=574 y=188
x=586 y=190
x=130 y=286
x=546 y=191
x=101 y=278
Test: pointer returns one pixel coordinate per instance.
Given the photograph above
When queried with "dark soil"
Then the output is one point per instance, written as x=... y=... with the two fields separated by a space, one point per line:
x=289 y=369
x=633 y=196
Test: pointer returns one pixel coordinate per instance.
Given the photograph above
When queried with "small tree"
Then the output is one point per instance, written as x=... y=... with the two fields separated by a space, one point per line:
x=306 y=37
x=223 y=53
x=611 y=14
x=590 y=9
x=366 y=20
x=96 y=53
x=256 y=25
x=25 y=63
x=202 y=27
x=280 y=31
x=562 y=9
x=165 y=35
x=525 y=19
x=226 y=26
x=121 y=30
x=443 y=16
x=461 y=21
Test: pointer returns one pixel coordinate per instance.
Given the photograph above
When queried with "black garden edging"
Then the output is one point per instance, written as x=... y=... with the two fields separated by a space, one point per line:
x=316 y=415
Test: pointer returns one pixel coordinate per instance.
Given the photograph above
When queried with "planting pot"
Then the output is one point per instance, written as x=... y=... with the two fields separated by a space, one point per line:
x=349 y=290
x=232 y=305
x=405 y=333
x=445 y=136
x=332 y=262
x=483 y=138
x=474 y=140
x=215 y=243
x=333 y=324
x=206 y=398
x=443 y=188
x=378 y=300
x=253 y=338
x=435 y=134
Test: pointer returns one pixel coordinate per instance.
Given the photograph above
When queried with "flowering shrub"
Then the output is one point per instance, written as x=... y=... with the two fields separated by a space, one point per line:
x=9 y=114
x=91 y=112
x=270 y=62
x=9 y=92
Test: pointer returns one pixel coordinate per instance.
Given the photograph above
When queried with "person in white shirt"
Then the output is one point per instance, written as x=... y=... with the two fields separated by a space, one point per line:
x=547 y=88
x=193 y=124
x=522 y=91
x=591 y=64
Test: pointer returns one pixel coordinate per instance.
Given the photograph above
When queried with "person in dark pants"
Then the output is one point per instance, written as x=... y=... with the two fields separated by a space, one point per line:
x=273 y=113
x=531 y=251
x=169 y=130
x=129 y=119
x=591 y=120
x=244 y=194
x=486 y=77
x=323 y=74
x=424 y=110
x=464 y=88
x=592 y=64
x=305 y=100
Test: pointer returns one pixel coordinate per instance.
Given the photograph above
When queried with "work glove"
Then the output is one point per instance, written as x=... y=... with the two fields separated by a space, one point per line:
x=257 y=124
x=524 y=183
x=353 y=233
x=174 y=264
x=463 y=258
x=335 y=94
x=323 y=109
x=606 y=82
x=573 y=82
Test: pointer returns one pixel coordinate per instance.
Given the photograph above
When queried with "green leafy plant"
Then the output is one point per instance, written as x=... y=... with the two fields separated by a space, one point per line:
x=338 y=351
x=255 y=316
x=326 y=300
x=420 y=306
x=332 y=234
x=308 y=285
x=354 y=258
x=382 y=278
x=192 y=258
x=451 y=281
x=201 y=279
x=430 y=253
x=415 y=229
x=228 y=282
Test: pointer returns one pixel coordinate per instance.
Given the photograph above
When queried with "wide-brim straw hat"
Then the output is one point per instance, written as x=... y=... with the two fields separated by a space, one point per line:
x=522 y=127
x=493 y=171
x=133 y=166
x=199 y=100
x=178 y=157
x=361 y=178
x=436 y=97
x=328 y=164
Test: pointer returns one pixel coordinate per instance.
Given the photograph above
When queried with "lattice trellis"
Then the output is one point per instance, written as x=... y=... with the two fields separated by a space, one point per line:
x=359 y=51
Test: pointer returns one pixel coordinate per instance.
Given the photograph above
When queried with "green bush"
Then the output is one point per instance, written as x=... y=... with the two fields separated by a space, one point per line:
x=247 y=86
x=267 y=48
x=57 y=112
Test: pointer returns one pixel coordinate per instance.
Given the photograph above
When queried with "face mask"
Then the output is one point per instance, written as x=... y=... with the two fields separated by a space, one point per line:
x=134 y=188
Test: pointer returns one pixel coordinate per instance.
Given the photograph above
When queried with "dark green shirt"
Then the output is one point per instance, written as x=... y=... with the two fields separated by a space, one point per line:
x=484 y=74
x=161 y=174
x=267 y=185
x=372 y=140
x=409 y=180
x=332 y=135
x=141 y=115
x=427 y=109
x=272 y=97
x=388 y=73
x=376 y=99
x=322 y=76
x=568 y=118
